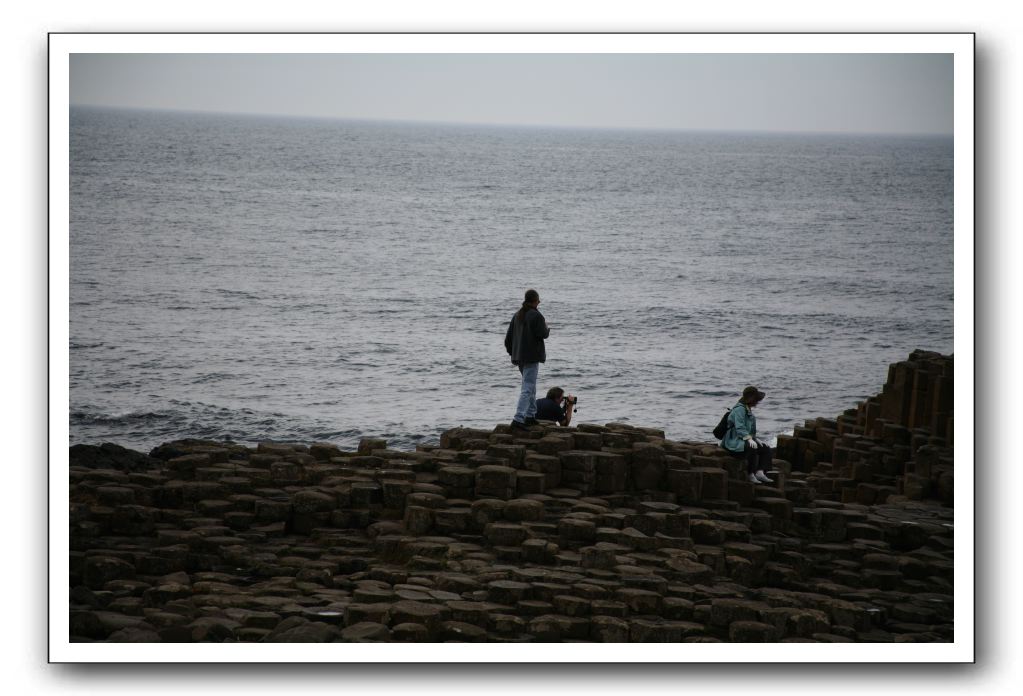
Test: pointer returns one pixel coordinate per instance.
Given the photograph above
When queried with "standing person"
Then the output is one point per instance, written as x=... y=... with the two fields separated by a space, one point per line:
x=524 y=343
x=557 y=407
x=741 y=439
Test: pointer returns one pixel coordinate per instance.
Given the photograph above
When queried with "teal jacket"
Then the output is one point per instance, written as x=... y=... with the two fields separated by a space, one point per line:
x=741 y=422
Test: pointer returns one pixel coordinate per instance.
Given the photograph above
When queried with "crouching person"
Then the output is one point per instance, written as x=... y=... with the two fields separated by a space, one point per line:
x=741 y=439
x=557 y=407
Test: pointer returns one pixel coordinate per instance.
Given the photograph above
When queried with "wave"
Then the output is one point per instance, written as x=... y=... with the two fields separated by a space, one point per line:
x=212 y=377
x=236 y=293
x=144 y=429
x=90 y=417
x=322 y=314
x=696 y=393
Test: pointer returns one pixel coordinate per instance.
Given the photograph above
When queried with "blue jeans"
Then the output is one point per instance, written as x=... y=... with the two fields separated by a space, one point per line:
x=526 y=408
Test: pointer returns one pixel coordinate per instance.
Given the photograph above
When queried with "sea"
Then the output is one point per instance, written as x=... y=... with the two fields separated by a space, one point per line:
x=258 y=278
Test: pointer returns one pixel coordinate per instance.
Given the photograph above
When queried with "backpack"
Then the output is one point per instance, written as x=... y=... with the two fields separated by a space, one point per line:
x=722 y=427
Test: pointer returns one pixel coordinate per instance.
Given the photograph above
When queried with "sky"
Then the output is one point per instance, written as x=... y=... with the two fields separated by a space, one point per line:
x=843 y=93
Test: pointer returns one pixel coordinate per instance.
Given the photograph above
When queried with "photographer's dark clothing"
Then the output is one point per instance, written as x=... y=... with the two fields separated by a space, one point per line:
x=550 y=410
x=524 y=339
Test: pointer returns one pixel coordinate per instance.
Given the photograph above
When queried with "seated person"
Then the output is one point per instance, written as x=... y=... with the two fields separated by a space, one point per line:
x=556 y=407
x=741 y=439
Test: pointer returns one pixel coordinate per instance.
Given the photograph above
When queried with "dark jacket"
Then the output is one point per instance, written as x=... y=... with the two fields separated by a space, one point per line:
x=550 y=410
x=524 y=339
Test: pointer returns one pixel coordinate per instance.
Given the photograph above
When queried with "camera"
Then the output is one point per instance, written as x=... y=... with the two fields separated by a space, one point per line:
x=572 y=400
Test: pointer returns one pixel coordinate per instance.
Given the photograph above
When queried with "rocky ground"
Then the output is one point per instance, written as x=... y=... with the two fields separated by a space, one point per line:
x=590 y=533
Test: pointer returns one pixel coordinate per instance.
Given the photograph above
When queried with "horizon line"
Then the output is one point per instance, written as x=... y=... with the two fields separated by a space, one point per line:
x=507 y=125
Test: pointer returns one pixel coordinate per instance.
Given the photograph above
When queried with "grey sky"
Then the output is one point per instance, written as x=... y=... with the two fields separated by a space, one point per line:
x=868 y=93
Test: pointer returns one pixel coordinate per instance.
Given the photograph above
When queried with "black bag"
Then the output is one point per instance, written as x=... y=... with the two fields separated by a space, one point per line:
x=722 y=427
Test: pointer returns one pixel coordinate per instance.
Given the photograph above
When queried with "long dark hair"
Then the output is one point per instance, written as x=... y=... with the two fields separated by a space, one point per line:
x=532 y=297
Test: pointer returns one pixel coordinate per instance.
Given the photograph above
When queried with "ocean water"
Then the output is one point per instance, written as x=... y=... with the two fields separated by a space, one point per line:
x=256 y=278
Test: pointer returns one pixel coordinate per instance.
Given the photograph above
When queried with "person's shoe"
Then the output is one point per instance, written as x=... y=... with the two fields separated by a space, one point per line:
x=762 y=477
x=532 y=421
x=753 y=479
x=516 y=425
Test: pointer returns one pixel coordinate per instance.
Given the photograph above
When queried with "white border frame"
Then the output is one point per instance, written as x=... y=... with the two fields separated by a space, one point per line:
x=961 y=45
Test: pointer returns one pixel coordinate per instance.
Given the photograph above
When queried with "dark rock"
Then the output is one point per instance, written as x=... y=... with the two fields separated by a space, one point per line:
x=599 y=533
x=111 y=456
x=751 y=632
x=99 y=570
x=134 y=634
x=607 y=629
x=304 y=632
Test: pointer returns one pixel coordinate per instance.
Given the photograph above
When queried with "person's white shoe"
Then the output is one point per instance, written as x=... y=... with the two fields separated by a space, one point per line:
x=762 y=477
x=753 y=479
